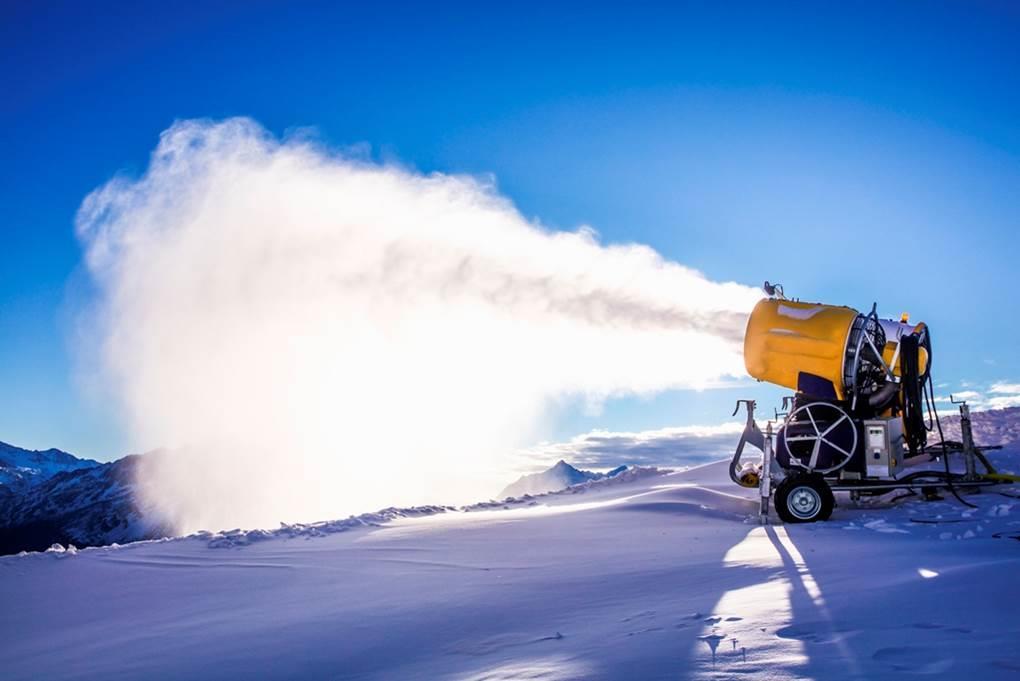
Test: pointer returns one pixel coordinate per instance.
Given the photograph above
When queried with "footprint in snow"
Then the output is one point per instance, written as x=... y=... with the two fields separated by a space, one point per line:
x=816 y=632
x=640 y=615
x=497 y=643
x=644 y=631
x=913 y=659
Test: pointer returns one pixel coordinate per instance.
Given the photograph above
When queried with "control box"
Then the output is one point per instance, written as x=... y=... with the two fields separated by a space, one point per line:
x=883 y=447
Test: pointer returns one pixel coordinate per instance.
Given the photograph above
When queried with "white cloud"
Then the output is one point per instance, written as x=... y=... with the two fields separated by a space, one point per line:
x=669 y=447
x=1000 y=395
x=1003 y=402
x=321 y=335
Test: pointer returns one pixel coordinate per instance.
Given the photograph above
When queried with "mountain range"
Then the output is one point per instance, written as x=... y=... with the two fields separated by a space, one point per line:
x=560 y=476
x=50 y=496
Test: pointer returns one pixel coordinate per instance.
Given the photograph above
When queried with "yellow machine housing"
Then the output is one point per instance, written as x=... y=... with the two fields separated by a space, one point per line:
x=894 y=330
x=786 y=338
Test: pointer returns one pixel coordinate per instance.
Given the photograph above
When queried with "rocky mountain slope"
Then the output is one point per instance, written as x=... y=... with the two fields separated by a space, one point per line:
x=51 y=496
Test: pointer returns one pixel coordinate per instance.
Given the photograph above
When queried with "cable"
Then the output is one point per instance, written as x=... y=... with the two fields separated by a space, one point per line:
x=914 y=385
x=914 y=428
x=938 y=475
x=945 y=451
x=930 y=426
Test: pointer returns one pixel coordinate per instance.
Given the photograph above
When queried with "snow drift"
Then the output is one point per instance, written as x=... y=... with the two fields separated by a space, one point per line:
x=638 y=576
x=320 y=334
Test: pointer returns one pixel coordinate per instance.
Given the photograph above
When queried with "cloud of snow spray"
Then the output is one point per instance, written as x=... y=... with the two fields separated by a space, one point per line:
x=316 y=335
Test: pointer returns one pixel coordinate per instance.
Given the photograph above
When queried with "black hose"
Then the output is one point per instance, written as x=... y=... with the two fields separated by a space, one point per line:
x=930 y=426
x=912 y=384
x=945 y=451
x=937 y=475
x=915 y=397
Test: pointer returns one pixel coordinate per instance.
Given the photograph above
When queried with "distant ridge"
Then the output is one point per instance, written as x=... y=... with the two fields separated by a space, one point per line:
x=560 y=476
x=50 y=496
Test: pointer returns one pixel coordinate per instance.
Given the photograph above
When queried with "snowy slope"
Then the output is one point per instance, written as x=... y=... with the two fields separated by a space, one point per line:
x=642 y=576
x=51 y=496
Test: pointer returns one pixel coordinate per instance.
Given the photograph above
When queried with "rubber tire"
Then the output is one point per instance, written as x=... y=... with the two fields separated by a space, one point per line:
x=815 y=482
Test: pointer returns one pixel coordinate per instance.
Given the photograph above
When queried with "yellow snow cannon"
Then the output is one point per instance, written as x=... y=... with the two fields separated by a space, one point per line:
x=826 y=350
x=857 y=415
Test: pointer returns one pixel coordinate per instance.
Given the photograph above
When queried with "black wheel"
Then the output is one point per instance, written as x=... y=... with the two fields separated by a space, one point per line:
x=804 y=499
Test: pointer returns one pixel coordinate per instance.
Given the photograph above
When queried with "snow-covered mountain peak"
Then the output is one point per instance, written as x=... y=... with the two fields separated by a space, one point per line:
x=26 y=466
x=559 y=476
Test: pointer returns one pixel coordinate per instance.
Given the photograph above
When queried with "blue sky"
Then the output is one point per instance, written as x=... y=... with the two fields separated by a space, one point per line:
x=856 y=156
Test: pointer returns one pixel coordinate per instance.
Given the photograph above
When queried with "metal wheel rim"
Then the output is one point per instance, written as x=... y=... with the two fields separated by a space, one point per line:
x=804 y=502
x=819 y=437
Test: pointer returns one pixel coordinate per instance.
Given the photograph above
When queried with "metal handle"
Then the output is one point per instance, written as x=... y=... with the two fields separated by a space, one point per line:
x=751 y=404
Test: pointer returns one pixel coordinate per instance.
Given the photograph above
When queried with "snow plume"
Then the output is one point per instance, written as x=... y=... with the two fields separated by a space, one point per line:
x=316 y=335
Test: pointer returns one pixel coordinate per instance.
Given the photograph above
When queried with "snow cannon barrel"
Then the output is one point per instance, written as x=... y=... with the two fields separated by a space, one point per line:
x=831 y=352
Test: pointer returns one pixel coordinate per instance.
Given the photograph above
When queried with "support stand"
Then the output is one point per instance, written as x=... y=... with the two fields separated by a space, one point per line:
x=765 y=481
x=967 y=435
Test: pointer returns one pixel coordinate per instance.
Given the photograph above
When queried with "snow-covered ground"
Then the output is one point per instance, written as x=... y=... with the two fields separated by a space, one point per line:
x=645 y=577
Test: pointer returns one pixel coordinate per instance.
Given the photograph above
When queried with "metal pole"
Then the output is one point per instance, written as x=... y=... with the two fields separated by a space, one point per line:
x=968 y=442
x=765 y=482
